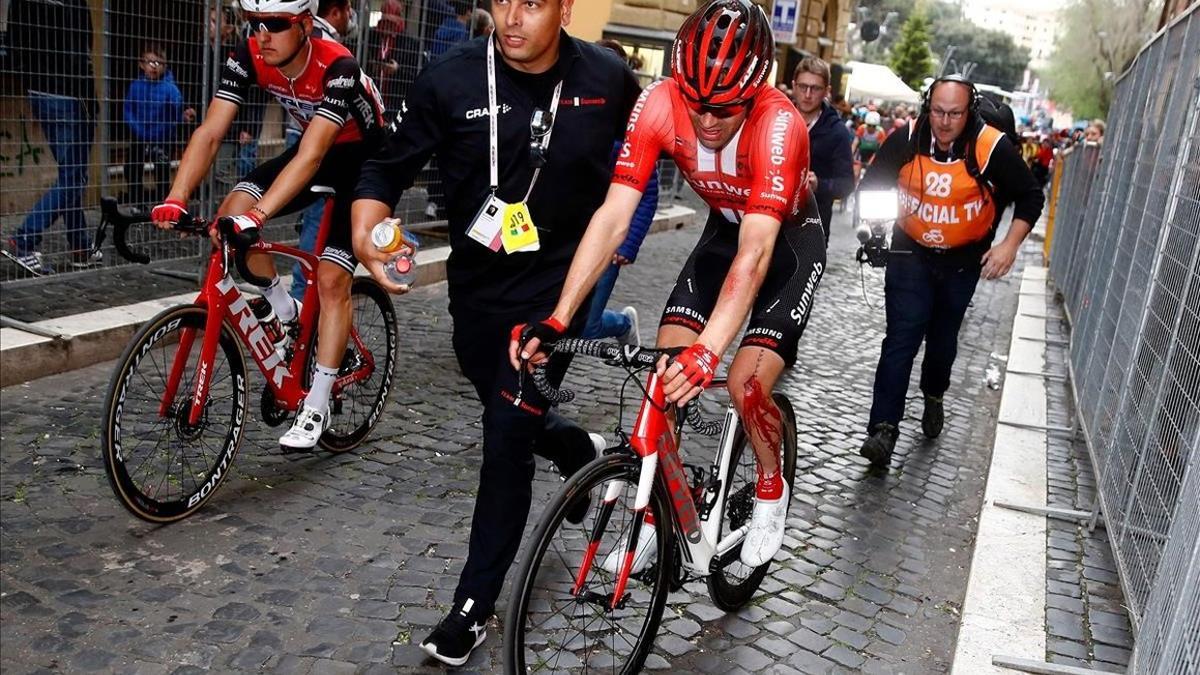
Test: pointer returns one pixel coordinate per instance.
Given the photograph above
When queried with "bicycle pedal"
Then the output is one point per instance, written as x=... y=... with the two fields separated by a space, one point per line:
x=297 y=453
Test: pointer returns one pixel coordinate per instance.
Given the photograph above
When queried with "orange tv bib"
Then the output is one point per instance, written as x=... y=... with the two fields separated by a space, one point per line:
x=942 y=206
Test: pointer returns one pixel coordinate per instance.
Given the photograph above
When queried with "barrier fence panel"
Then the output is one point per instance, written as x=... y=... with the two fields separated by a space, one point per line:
x=99 y=97
x=1125 y=256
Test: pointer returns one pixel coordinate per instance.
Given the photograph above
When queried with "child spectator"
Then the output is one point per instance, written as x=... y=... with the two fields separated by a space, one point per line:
x=153 y=112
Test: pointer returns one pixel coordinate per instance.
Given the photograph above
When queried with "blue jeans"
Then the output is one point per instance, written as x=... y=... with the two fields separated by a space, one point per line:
x=310 y=224
x=926 y=303
x=68 y=132
x=247 y=158
x=605 y=323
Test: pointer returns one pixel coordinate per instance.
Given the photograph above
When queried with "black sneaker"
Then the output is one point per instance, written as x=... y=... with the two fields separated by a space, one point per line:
x=457 y=635
x=934 y=418
x=34 y=262
x=879 y=445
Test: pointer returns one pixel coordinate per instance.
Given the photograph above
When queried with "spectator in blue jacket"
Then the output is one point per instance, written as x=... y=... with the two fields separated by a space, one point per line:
x=831 y=163
x=604 y=323
x=453 y=29
x=153 y=112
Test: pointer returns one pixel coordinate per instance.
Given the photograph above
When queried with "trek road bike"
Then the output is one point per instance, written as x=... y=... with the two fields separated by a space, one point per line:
x=579 y=600
x=177 y=403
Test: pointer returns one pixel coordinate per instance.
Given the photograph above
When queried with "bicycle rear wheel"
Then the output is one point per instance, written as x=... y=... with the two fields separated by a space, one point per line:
x=549 y=628
x=731 y=583
x=161 y=467
x=356 y=409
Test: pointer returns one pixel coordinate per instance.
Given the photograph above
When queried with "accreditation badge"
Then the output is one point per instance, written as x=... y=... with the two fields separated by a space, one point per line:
x=518 y=233
x=485 y=228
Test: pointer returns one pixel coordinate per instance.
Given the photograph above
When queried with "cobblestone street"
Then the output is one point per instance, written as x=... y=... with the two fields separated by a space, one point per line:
x=331 y=564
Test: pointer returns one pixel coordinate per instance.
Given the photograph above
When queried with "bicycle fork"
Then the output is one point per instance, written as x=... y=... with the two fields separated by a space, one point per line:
x=651 y=436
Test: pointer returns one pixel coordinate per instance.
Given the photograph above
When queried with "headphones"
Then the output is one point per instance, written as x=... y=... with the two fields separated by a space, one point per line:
x=927 y=97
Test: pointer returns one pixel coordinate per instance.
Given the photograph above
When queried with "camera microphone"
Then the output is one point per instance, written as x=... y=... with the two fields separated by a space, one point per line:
x=863 y=233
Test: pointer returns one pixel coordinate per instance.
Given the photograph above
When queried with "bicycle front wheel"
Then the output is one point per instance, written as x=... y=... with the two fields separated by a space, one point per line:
x=161 y=467
x=551 y=626
x=732 y=583
x=371 y=353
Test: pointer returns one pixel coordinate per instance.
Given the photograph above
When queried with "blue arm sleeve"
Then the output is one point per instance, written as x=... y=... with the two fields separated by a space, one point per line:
x=642 y=219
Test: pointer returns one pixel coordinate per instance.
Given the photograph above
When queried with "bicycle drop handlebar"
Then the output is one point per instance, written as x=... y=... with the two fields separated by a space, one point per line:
x=188 y=224
x=614 y=354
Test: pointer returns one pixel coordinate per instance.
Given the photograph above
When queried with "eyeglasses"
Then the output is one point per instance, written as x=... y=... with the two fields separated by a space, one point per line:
x=539 y=128
x=718 y=111
x=947 y=114
x=807 y=89
x=154 y=63
x=273 y=24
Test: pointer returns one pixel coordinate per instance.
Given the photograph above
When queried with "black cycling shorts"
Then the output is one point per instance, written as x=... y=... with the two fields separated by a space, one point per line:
x=339 y=170
x=781 y=310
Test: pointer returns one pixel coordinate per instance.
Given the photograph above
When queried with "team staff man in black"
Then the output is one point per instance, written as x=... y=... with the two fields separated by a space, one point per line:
x=521 y=186
x=956 y=175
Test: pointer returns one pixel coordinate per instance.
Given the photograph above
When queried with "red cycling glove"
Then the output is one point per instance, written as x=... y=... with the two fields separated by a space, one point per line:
x=699 y=364
x=170 y=211
x=547 y=331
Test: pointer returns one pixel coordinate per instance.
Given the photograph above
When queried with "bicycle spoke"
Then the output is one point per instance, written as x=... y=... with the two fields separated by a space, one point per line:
x=164 y=458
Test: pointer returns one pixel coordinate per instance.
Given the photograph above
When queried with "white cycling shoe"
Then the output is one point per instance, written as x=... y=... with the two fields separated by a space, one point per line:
x=766 y=529
x=642 y=556
x=306 y=430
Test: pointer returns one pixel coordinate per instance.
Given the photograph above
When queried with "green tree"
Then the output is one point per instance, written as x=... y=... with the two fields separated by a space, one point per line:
x=1098 y=41
x=910 y=55
x=998 y=60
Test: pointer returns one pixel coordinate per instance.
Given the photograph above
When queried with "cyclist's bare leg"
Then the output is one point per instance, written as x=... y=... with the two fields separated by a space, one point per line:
x=235 y=204
x=752 y=378
x=675 y=336
x=333 y=287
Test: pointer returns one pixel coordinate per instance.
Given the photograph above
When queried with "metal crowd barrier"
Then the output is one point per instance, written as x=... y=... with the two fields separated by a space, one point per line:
x=1125 y=257
x=89 y=132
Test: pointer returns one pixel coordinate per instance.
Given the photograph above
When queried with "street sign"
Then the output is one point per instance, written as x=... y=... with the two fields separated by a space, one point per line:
x=784 y=15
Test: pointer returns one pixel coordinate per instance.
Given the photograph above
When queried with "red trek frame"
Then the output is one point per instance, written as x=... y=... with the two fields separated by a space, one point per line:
x=220 y=295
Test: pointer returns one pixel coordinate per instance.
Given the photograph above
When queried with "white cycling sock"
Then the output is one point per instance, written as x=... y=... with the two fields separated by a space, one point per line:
x=281 y=302
x=318 y=396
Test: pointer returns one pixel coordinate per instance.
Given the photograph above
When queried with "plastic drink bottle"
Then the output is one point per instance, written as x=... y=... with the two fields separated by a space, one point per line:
x=388 y=237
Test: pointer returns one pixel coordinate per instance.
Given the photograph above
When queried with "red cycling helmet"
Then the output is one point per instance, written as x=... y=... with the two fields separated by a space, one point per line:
x=723 y=53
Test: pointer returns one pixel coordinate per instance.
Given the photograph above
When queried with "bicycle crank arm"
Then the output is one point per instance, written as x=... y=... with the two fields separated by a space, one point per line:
x=732 y=539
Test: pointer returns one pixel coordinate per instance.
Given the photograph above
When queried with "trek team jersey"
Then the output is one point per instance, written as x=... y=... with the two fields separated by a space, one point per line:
x=761 y=170
x=331 y=85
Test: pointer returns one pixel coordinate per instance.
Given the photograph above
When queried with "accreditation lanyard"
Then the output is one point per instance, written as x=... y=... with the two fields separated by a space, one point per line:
x=494 y=124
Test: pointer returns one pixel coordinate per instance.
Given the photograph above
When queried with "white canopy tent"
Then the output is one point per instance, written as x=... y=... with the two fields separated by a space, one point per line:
x=873 y=81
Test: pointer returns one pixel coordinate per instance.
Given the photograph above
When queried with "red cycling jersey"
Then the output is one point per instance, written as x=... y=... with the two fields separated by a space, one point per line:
x=331 y=85
x=762 y=169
